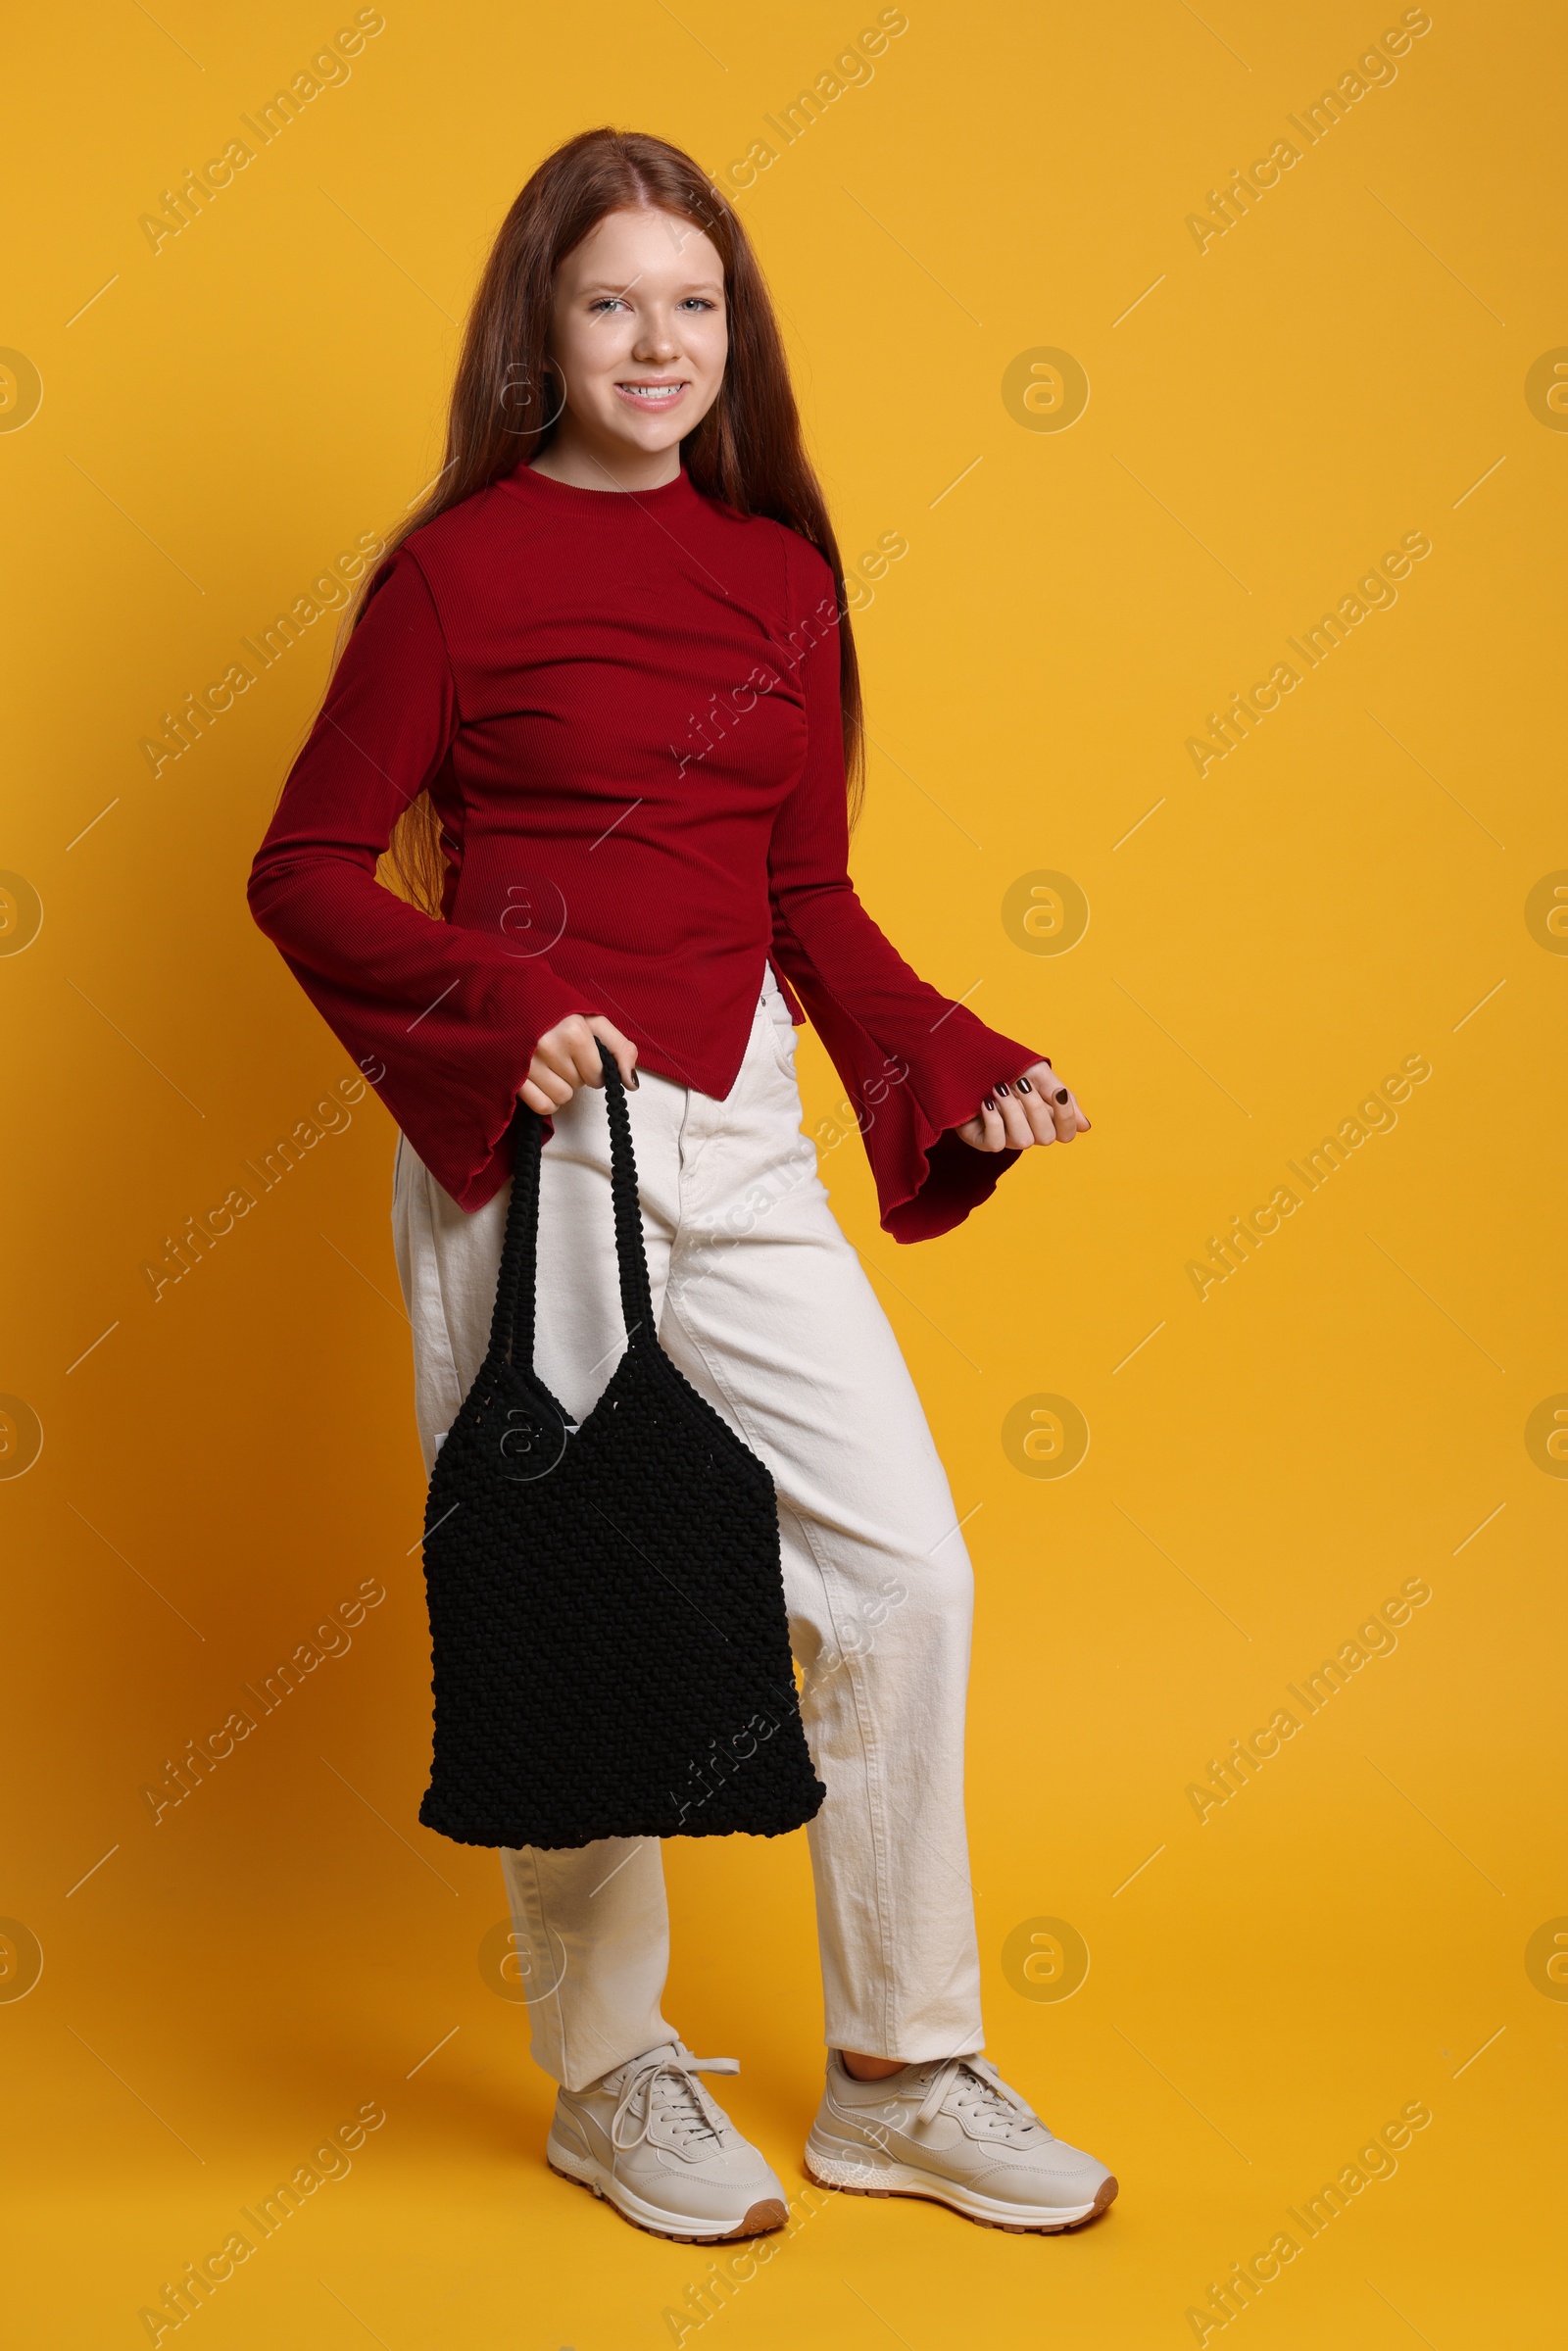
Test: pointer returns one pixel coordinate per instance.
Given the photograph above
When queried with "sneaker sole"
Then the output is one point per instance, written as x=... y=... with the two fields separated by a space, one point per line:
x=767 y=2213
x=849 y=2175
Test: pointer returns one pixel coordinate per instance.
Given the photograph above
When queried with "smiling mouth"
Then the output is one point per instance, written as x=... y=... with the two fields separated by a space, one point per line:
x=652 y=395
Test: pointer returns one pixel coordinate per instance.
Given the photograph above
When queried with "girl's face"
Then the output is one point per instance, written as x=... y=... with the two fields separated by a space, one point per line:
x=638 y=334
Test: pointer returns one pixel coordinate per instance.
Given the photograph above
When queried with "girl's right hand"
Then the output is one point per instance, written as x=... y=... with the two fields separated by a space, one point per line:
x=567 y=1056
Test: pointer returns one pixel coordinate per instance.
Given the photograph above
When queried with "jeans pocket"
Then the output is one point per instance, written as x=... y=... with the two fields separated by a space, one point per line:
x=783 y=1039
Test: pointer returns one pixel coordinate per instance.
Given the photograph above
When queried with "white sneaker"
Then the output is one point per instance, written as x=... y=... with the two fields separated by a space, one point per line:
x=648 y=2136
x=953 y=2132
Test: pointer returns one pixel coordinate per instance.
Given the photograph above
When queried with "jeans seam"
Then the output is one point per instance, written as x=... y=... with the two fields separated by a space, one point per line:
x=554 y=1995
x=425 y=1265
x=441 y=1300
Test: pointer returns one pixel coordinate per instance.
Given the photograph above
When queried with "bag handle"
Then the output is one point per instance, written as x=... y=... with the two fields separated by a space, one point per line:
x=512 y=1326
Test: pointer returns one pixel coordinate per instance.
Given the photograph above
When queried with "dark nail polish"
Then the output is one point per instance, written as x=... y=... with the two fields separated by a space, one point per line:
x=1004 y=1089
x=634 y=1081
x=989 y=1103
x=1024 y=1086
x=1061 y=1096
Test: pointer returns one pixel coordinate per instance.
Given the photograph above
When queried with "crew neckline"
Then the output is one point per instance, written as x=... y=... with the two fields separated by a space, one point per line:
x=525 y=479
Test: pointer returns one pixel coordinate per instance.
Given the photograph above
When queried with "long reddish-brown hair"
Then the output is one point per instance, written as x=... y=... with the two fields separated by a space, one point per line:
x=747 y=452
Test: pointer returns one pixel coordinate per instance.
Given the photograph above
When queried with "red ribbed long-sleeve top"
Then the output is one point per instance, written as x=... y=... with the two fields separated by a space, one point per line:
x=624 y=706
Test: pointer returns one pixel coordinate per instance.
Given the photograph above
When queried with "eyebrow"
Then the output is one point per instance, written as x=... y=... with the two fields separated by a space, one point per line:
x=695 y=285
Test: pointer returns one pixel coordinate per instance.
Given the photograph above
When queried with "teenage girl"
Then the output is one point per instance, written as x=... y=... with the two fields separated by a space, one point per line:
x=598 y=708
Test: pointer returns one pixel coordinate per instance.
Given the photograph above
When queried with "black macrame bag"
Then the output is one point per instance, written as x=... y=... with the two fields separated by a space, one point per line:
x=609 y=1636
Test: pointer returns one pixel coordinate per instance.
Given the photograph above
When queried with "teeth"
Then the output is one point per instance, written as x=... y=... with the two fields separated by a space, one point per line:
x=652 y=391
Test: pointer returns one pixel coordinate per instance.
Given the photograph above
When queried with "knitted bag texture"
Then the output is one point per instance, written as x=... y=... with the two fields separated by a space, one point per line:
x=609 y=1644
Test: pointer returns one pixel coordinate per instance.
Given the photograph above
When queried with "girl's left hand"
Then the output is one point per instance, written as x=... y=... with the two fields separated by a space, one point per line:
x=1035 y=1109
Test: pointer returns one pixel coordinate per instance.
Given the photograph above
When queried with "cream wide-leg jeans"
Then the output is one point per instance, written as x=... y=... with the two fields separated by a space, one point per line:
x=762 y=1304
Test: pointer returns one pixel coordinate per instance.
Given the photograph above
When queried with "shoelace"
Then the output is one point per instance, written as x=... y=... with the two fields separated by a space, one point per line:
x=666 y=2085
x=985 y=2090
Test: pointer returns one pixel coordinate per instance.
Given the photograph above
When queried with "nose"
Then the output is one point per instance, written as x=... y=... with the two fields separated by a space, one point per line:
x=657 y=341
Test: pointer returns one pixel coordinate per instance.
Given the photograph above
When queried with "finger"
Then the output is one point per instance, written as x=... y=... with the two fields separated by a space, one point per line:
x=993 y=1134
x=626 y=1062
x=530 y=1094
x=588 y=1067
x=544 y=1090
x=1037 y=1109
x=553 y=1054
x=587 y=1058
x=1016 y=1126
x=1064 y=1111
x=622 y=1051
x=1067 y=1120
x=570 y=1052
x=1057 y=1104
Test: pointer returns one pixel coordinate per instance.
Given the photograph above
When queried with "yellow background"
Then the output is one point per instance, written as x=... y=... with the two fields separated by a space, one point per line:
x=1343 y=1414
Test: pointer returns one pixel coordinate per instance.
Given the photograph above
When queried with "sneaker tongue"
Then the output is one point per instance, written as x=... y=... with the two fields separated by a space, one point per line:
x=680 y=2105
x=673 y=2097
x=620 y=2076
x=976 y=2091
x=622 y=2072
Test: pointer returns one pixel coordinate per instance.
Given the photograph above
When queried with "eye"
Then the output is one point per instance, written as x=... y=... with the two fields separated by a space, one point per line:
x=697 y=302
x=606 y=302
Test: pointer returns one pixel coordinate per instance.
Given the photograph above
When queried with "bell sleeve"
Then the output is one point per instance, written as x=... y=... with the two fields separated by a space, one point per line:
x=914 y=1064
x=440 y=1017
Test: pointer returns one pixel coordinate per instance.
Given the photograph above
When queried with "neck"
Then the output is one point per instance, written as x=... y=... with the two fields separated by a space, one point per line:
x=584 y=464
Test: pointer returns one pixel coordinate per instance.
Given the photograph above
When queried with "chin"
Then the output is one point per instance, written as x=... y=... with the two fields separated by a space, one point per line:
x=655 y=436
